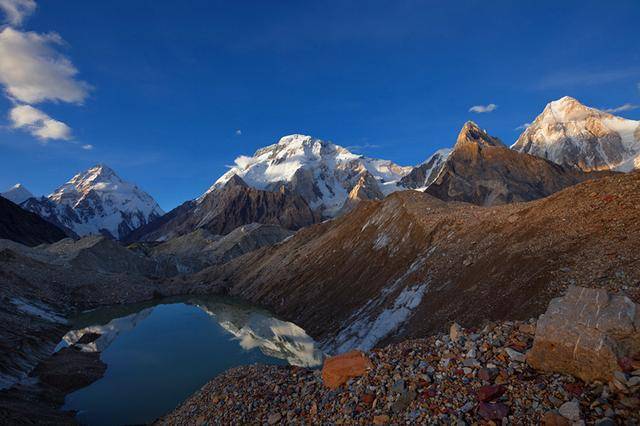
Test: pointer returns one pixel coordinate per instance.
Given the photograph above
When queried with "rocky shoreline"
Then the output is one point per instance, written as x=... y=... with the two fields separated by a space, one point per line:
x=466 y=377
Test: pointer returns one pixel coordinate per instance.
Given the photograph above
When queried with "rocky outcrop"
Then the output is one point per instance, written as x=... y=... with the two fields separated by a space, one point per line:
x=585 y=333
x=25 y=227
x=337 y=370
x=365 y=189
x=481 y=170
x=569 y=133
x=200 y=248
x=225 y=209
x=101 y=254
x=423 y=175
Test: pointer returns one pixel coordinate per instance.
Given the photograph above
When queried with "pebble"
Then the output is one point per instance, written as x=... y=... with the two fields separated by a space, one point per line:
x=570 y=410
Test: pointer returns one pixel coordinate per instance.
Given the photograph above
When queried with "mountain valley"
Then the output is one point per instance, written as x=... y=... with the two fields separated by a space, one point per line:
x=350 y=253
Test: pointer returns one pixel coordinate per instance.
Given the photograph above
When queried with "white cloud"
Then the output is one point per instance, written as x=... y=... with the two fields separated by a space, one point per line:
x=621 y=108
x=87 y=147
x=33 y=71
x=523 y=126
x=17 y=10
x=238 y=132
x=38 y=123
x=243 y=161
x=483 y=108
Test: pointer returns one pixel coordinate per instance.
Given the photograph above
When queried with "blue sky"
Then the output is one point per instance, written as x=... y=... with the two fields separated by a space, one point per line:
x=162 y=86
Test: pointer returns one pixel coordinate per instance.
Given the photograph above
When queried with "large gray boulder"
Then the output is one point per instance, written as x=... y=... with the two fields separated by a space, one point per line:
x=585 y=333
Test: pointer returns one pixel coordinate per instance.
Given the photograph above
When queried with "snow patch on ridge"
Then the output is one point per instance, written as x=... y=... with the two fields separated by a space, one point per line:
x=369 y=324
x=365 y=333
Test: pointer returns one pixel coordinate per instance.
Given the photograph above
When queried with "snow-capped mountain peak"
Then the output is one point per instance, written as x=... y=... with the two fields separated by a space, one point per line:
x=321 y=172
x=96 y=201
x=568 y=132
x=17 y=193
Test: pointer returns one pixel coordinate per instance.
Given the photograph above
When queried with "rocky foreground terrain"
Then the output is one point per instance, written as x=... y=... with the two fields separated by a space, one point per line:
x=467 y=376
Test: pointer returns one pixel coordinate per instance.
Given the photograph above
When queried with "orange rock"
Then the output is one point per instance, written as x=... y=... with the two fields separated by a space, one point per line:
x=337 y=370
x=554 y=419
x=381 y=420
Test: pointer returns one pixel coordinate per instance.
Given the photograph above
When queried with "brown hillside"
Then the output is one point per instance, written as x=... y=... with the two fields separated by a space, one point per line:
x=478 y=263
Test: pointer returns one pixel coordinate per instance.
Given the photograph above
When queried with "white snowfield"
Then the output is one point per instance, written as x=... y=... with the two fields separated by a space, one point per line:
x=568 y=132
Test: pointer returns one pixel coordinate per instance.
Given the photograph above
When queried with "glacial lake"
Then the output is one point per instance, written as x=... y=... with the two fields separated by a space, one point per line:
x=158 y=354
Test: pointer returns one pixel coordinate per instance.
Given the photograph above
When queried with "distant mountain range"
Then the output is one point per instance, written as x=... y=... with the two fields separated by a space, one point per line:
x=300 y=179
x=96 y=201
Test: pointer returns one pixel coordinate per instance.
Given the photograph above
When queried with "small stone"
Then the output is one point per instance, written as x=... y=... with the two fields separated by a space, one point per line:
x=527 y=328
x=467 y=407
x=398 y=387
x=552 y=418
x=381 y=420
x=515 y=355
x=489 y=393
x=274 y=418
x=570 y=410
x=455 y=332
x=493 y=411
x=630 y=402
x=605 y=421
x=470 y=362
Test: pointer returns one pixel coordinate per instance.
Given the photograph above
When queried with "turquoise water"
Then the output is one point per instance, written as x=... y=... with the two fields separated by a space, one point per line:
x=158 y=355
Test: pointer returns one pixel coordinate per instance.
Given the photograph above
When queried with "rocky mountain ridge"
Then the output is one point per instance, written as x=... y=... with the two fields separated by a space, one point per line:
x=482 y=170
x=227 y=207
x=568 y=132
x=321 y=172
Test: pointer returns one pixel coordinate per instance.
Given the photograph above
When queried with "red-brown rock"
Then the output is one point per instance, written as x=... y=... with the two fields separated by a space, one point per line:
x=489 y=393
x=551 y=418
x=493 y=411
x=337 y=370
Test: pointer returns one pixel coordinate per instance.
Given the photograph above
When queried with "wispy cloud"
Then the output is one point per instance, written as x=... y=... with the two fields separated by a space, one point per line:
x=17 y=10
x=480 y=109
x=575 y=78
x=33 y=71
x=87 y=147
x=238 y=132
x=360 y=148
x=621 y=108
x=38 y=123
x=523 y=126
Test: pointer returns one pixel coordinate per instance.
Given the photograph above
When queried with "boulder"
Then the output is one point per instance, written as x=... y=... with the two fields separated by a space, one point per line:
x=337 y=370
x=585 y=333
